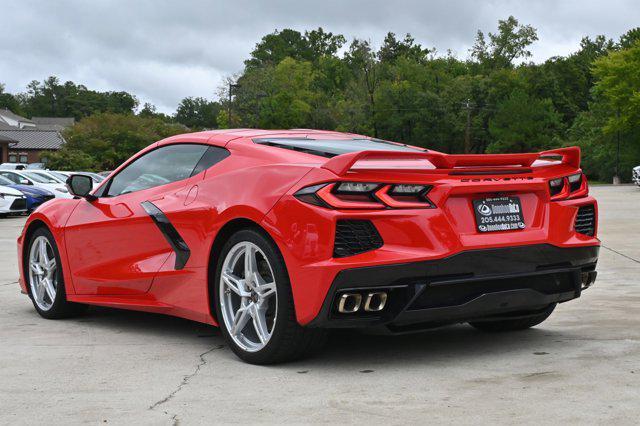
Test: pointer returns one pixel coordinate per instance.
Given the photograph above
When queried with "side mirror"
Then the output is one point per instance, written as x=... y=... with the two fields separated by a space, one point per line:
x=80 y=186
x=25 y=182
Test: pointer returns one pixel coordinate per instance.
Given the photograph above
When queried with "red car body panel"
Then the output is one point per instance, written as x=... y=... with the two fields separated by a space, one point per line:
x=113 y=254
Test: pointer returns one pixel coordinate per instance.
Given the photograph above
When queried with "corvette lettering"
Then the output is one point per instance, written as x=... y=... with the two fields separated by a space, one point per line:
x=492 y=179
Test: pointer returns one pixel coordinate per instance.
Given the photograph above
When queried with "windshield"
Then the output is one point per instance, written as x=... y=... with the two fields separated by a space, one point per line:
x=39 y=178
x=59 y=175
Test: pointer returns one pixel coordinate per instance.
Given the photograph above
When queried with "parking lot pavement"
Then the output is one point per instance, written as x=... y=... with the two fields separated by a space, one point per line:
x=581 y=366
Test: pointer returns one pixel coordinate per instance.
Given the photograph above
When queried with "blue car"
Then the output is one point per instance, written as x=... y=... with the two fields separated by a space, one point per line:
x=35 y=196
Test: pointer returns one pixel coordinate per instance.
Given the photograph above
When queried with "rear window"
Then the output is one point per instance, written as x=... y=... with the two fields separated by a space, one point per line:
x=332 y=147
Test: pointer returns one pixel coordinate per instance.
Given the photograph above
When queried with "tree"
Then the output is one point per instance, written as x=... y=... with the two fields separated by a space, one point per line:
x=392 y=49
x=508 y=44
x=53 y=99
x=104 y=140
x=288 y=43
x=615 y=111
x=524 y=124
x=198 y=113
x=8 y=101
x=362 y=61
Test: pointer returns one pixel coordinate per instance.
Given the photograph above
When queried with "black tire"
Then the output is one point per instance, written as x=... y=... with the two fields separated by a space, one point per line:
x=514 y=324
x=61 y=308
x=289 y=340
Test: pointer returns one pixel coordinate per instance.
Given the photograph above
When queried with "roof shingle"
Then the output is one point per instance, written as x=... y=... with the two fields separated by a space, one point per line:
x=34 y=139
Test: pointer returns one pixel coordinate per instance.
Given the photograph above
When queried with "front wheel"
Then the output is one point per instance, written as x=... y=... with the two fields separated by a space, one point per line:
x=45 y=279
x=254 y=304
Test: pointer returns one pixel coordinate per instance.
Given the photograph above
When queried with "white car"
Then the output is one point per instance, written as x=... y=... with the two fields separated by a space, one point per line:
x=635 y=175
x=95 y=178
x=12 y=201
x=50 y=175
x=13 y=166
x=26 y=177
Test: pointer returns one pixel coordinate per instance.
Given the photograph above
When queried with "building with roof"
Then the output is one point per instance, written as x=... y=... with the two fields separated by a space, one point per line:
x=27 y=146
x=24 y=140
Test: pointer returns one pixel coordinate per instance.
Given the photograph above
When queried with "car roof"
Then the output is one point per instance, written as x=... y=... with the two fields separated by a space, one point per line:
x=224 y=136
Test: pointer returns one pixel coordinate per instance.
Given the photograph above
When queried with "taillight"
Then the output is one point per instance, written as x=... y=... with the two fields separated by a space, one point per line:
x=572 y=186
x=365 y=195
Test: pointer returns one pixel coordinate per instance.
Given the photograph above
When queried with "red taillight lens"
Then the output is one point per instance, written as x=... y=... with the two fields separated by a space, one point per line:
x=572 y=186
x=364 y=195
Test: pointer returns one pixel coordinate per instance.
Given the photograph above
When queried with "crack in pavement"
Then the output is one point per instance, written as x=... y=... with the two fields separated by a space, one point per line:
x=621 y=254
x=184 y=382
x=12 y=283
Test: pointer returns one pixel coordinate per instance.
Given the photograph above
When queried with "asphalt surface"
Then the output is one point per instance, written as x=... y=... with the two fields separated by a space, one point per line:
x=109 y=366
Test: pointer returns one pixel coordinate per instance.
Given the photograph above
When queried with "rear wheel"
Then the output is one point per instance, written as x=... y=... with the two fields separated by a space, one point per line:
x=514 y=324
x=45 y=279
x=254 y=304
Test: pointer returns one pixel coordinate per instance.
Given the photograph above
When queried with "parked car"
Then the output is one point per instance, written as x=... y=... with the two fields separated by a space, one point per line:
x=50 y=175
x=13 y=166
x=635 y=174
x=35 y=196
x=276 y=236
x=36 y=166
x=63 y=176
x=23 y=177
x=12 y=201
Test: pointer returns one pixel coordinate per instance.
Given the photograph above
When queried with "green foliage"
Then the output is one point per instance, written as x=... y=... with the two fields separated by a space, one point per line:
x=198 y=113
x=524 y=124
x=53 y=99
x=310 y=46
x=103 y=141
x=8 y=101
x=510 y=42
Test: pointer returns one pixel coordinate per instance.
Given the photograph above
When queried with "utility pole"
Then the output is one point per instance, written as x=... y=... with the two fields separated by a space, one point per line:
x=467 y=130
x=616 y=177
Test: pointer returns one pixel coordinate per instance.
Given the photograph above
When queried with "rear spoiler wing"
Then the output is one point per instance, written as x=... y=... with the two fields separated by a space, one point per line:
x=341 y=164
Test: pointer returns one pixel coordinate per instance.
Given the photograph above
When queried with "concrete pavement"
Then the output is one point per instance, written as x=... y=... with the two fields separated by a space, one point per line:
x=581 y=366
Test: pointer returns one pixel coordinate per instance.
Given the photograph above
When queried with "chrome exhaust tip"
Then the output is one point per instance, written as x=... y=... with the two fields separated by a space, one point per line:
x=349 y=303
x=375 y=301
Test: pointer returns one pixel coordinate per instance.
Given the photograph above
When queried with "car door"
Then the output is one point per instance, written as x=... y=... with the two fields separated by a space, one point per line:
x=115 y=244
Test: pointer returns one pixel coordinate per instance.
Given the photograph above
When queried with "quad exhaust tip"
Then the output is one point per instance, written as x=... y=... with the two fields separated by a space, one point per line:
x=350 y=303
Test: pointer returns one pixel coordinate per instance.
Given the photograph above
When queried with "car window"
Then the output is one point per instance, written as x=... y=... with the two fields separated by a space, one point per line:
x=13 y=177
x=39 y=178
x=164 y=165
x=214 y=155
x=5 y=181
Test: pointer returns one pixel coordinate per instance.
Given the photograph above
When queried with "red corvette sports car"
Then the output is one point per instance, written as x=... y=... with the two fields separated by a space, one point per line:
x=276 y=236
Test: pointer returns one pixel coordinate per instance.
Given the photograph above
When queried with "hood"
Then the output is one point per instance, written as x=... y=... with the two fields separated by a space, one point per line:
x=32 y=190
x=9 y=191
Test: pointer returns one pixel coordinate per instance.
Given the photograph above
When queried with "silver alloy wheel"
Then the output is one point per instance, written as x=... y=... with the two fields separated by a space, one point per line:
x=248 y=296
x=42 y=273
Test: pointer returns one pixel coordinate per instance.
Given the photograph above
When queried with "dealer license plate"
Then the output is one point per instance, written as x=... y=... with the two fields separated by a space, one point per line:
x=498 y=214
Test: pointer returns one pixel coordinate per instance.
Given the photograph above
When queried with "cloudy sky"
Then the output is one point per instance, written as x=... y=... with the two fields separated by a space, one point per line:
x=163 y=51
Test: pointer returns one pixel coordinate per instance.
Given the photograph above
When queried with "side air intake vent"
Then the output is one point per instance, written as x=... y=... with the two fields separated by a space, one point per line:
x=586 y=220
x=354 y=237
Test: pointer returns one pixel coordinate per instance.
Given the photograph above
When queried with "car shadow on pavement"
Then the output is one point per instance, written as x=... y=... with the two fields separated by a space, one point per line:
x=346 y=348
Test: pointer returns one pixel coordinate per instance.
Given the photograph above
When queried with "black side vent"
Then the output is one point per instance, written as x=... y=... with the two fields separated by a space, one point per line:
x=586 y=220
x=354 y=237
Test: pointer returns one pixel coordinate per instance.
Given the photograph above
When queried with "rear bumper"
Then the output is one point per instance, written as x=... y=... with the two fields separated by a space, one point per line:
x=470 y=285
